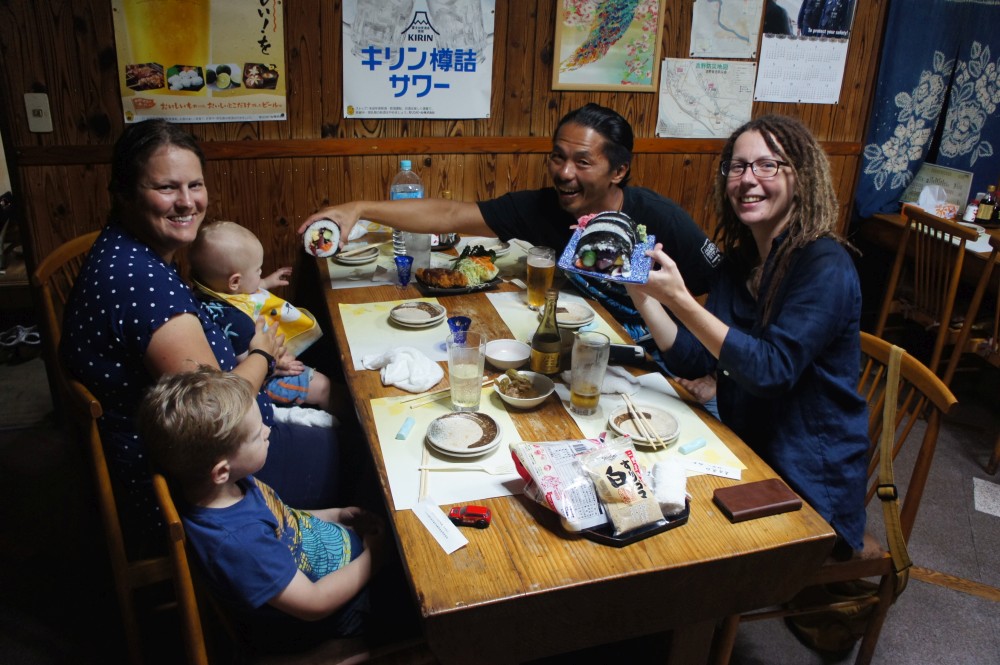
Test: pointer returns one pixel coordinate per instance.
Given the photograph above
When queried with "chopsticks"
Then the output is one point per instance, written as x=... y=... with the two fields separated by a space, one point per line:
x=424 y=461
x=645 y=427
x=363 y=248
x=437 y=395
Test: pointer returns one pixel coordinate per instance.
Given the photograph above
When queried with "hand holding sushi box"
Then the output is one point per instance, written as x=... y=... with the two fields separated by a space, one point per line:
x=611 y=246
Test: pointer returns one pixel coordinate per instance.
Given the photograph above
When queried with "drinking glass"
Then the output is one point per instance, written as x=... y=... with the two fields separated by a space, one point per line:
x=541 y=269
x=590 y=362
x=403 y=266
x=466 y=357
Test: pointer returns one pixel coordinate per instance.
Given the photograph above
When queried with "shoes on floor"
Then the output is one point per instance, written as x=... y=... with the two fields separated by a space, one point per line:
x=20 y=335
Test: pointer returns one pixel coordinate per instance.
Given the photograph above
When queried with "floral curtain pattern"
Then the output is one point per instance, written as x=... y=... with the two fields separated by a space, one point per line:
x=937 y=99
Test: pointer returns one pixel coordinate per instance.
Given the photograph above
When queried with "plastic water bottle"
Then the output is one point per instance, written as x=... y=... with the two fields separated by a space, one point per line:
x=406 y=185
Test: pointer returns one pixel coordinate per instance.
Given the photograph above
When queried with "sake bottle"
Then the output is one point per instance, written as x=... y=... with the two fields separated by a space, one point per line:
x=546 y=345
x=984 y=214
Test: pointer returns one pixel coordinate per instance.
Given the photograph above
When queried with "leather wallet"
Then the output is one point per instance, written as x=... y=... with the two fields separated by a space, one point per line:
x=757 y=499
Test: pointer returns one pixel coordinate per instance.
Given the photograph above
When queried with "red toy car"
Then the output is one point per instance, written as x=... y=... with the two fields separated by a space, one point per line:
x=477 y=516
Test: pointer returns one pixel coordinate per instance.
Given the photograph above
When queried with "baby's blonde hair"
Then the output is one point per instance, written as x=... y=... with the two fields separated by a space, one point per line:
x=191 y=421
x=220 y=250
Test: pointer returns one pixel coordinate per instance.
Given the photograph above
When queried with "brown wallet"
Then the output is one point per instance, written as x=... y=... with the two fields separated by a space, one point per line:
x=757 y=499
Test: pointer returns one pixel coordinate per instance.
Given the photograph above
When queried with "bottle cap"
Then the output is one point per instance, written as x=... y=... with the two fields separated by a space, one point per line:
x=405 y=164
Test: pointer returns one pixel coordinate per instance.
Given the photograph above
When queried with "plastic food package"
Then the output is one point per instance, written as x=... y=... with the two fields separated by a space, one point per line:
x=622 y=487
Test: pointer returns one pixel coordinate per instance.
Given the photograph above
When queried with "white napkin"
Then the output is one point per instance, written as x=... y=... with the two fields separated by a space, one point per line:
x=616 y=380
x=298 y=415
x=406 y=368
x=670 y=486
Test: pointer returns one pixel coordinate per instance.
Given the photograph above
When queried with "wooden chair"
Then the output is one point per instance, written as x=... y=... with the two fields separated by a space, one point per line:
x=927 y=298
x=986 y=347
x=192 y=602
x=920 y=393
x=54 y=279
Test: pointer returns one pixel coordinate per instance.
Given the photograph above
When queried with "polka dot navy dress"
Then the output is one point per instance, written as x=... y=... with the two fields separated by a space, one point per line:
x=124 y=293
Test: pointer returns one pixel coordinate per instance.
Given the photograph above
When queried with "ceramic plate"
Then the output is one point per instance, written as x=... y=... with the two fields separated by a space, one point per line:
x=640 y=262
x=979 y=229
x=665 y=425
x=464 y=434
x=448 y=244
x=358 y=259
x=500 y=250
x=571 y=315
x=437 y=291
x=417 y=313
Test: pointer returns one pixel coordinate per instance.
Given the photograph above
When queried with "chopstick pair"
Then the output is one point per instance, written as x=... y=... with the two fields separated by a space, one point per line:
x=437 y=395
x=642 y=424
x=363 y=248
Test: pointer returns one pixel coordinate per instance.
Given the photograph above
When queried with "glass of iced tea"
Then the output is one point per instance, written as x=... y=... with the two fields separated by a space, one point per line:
x=541 y=270
x=590 y=362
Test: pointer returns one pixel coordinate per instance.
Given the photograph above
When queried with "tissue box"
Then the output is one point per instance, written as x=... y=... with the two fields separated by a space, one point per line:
x=946 y=210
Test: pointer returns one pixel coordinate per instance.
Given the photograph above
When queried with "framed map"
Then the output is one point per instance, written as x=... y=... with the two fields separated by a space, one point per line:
x=608 y=45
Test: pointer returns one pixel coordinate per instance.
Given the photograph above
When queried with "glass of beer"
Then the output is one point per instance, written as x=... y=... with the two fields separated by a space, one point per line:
x=169 y=32
x=541 y=269
x=590 y=362
x=466 y=357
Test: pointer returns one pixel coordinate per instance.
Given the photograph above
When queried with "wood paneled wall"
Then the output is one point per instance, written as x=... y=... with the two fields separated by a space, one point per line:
x=271 y=175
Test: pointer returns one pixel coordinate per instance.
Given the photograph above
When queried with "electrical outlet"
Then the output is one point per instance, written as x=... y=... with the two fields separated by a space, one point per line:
x=36 y=105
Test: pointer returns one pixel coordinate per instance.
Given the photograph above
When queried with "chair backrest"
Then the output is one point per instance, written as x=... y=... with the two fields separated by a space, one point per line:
x=54 y=278
x=987 y=346
x=937 y=246
x=921 y=394
x=195 y=649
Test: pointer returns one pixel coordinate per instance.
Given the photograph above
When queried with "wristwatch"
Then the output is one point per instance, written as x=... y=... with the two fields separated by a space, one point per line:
x=268 y=357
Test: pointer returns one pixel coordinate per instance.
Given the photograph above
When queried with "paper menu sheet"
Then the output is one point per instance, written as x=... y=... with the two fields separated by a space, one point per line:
x=402 y=457
x=656 y=391
x=513 y=309
x=369 y=331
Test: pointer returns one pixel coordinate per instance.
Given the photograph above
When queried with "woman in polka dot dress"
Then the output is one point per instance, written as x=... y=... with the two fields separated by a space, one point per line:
x=131 y=319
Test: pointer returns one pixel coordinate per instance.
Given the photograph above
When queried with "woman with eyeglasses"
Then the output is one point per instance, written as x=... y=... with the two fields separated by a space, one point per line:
x=780 y=330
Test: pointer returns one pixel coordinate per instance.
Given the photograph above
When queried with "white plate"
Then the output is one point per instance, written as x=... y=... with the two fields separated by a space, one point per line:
x=571 y=315
x=979 y=229
x=464 y=434
x=664 y=424
x=500 y=250
x=359 y=259
x=417 y=313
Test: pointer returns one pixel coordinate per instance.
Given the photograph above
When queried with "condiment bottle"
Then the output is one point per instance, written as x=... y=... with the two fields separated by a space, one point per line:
x=546 y=344
x=986 y=205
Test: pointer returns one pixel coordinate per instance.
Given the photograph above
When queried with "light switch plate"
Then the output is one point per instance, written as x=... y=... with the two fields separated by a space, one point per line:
x=36 y=105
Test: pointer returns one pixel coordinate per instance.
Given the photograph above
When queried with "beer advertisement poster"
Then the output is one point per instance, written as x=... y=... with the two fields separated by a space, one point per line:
x=418 y=58
x=201 y=60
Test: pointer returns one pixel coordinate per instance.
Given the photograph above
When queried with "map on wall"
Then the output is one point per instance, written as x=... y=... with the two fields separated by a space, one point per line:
x=704 y=98
x=725 y=28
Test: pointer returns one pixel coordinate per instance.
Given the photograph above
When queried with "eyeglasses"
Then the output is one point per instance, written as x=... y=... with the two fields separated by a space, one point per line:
x=762 y=168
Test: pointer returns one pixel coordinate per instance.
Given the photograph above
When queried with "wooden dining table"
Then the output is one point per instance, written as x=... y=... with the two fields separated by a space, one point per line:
x=524 y=588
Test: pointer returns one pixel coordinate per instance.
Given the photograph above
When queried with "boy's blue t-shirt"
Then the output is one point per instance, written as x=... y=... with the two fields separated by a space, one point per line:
x=250 y=551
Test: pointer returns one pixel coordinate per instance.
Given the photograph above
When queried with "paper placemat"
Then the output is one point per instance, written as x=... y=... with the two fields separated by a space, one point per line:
x=657 y=391
x=512 y=308
x=369 y=331
x=402 y=457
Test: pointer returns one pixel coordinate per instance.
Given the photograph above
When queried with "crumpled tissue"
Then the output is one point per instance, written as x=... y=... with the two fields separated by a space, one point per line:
x=406 y=368
x=298 y=415
x=616 y=380
x=934 y=199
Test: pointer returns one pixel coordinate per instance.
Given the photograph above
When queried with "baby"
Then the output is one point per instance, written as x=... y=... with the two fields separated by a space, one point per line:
x=226 y=263
x=291 y=575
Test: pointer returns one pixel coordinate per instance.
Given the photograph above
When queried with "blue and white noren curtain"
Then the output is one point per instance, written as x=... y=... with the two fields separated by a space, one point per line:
x=937 y=98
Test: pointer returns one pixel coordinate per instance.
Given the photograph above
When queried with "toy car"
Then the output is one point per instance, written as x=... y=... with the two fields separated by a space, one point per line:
x=477 y=516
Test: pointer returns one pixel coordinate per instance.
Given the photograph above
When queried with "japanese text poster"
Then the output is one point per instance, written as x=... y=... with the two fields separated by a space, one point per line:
x=418 y=58
x=201 y=60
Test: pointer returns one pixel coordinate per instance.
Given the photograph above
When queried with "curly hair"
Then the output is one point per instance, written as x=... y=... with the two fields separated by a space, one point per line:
x=190 y=421
x=814 y=212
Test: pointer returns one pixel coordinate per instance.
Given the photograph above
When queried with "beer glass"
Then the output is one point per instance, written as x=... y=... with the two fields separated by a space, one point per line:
x=169 y=32
x=541 y=269
x=590 y=362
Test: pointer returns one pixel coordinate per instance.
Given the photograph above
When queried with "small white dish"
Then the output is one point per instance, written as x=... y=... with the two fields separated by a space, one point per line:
x=464 y=434
x=543 y=385
x=417 y=314
x=664 y=424
x=571 y=315
x=358 y=259
x=507 y=353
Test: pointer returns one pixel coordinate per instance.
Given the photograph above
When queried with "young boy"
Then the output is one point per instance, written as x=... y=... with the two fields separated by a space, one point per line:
x=277 y=568
x=226 y=264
